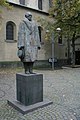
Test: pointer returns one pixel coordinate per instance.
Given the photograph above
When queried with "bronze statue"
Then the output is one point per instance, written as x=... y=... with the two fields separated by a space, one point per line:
x=28 y=42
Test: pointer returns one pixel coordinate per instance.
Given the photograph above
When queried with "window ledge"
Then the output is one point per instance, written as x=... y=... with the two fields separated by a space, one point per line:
x=11 y=41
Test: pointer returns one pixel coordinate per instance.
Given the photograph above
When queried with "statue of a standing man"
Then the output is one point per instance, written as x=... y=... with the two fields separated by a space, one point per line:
x=28 y=42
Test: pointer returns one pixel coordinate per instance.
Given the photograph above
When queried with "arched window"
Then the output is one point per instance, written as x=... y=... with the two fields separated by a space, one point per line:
x=40 y=28
x=10 y=30
x=40 y=4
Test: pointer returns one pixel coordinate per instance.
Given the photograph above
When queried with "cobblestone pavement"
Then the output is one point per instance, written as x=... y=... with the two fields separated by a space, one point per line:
x=60 y=86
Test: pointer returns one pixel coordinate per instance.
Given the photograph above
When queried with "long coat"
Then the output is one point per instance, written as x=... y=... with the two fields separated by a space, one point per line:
x=28 y=38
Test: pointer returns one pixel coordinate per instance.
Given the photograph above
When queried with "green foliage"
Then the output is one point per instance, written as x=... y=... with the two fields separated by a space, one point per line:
x=47 y=26
x=67 y=16
x=5 y=3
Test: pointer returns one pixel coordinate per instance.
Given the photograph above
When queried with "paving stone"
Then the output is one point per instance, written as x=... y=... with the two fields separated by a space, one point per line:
x=60 y=86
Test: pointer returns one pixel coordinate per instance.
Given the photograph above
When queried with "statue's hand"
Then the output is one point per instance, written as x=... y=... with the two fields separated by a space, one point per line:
x=21 y=53
x=39 y=48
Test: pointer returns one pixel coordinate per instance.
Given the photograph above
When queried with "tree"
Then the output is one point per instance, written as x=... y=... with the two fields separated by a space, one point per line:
x=3 y=3
x=67 y=17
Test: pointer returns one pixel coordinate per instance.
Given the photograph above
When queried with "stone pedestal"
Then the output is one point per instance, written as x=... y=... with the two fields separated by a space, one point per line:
x=29 y=88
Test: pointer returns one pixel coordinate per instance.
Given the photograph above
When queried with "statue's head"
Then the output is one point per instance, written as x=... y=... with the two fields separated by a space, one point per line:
x=28 y=15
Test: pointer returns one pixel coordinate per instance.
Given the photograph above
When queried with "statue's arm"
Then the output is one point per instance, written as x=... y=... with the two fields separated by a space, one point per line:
x=21 y=38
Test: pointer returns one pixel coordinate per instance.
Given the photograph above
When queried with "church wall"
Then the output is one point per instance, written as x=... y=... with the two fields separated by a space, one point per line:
x=9 y=49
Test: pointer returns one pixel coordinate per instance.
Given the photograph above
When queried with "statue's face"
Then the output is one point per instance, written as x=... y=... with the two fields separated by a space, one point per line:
x=29 y=17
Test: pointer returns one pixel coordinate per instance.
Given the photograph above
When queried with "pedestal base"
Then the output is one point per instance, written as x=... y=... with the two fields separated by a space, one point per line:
x=29 y=93
x=26 y=109
x=29 y=88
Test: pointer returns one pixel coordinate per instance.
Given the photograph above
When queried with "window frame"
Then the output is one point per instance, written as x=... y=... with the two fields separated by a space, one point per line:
x=40 y=6
x=22 y=2
x=8 y=36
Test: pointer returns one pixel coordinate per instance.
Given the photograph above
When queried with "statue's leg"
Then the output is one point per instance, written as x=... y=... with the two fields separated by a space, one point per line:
x=31 y=67
x=26 y=67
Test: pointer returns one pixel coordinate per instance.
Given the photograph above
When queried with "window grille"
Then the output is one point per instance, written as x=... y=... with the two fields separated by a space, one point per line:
x=9 y=31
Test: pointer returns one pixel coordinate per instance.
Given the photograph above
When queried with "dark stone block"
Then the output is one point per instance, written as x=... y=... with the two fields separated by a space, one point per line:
x=29 y=93
x=29 y=88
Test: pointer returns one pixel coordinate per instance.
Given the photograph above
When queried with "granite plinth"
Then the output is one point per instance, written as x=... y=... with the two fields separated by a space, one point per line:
x=29 y=88
x=26 y=109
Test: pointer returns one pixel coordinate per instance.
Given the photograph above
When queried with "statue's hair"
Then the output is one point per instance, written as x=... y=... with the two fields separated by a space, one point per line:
x=28 y=14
